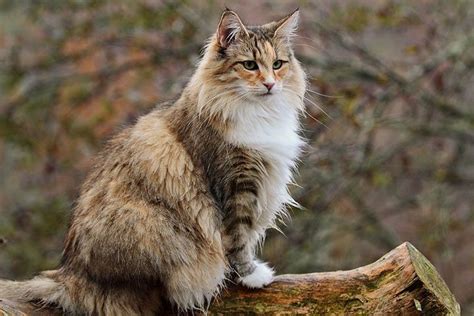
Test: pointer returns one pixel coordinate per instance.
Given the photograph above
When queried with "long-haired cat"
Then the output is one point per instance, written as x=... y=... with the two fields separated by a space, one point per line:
x=178 y=202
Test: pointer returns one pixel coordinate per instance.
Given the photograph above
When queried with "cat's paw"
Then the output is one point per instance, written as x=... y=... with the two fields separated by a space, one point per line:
x=261 y=276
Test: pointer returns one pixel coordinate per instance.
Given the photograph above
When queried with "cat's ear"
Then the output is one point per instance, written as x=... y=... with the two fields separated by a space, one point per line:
x=286 y=27
x=230 y=27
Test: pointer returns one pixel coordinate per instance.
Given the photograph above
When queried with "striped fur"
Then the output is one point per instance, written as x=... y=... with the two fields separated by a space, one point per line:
x=178 y=202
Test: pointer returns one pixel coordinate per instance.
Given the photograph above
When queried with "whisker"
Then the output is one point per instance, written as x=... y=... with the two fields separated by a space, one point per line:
x=318 y=107
x=323 y=95
x=315 y=119
x=310 y=101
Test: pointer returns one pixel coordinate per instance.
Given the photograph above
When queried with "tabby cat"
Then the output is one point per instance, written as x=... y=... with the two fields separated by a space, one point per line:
x=178 y=203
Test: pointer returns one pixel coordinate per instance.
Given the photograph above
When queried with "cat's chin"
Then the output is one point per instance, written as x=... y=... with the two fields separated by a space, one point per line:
x=266 y=96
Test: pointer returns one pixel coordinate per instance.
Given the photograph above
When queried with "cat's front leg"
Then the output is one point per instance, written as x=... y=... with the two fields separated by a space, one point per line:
x=242 y=234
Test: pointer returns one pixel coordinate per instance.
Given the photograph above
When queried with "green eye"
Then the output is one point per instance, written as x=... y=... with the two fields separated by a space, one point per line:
x=277 y=64
x=250 y=65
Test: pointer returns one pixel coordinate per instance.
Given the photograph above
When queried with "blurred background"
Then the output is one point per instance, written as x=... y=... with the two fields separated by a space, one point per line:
x=390 y=121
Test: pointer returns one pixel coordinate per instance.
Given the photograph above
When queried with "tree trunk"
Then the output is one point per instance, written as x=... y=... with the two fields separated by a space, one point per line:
x=401 y=282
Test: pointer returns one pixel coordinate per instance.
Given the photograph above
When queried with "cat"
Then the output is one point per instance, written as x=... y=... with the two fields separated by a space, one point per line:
x=179 y=202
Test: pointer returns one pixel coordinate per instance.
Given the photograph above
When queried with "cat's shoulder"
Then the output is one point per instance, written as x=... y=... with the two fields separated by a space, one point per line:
x=153 y=128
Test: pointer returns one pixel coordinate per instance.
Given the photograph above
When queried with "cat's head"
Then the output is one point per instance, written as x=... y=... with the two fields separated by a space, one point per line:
x=254 y=62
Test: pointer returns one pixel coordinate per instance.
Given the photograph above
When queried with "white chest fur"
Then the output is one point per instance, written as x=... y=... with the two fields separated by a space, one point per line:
x=272 y=130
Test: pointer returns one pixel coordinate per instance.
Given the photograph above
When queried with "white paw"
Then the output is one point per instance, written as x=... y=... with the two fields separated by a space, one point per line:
x=263 y=275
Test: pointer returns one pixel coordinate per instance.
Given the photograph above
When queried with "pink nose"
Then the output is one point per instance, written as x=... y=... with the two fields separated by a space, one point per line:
x=269 y=85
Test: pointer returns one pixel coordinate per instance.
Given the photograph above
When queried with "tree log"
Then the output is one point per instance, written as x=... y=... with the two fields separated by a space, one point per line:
x=401 y=282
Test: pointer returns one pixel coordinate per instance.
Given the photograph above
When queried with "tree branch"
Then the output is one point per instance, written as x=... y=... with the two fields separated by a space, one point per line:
x=402 y=281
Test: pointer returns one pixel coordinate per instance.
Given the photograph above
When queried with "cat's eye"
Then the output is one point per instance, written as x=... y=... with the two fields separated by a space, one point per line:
x=277 y=64
x=250 y=65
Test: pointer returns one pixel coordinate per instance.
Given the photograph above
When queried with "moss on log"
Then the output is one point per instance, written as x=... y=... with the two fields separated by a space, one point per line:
x=401 y=282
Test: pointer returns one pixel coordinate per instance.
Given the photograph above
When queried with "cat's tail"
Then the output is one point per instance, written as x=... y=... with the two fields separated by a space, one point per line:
x=44 y=289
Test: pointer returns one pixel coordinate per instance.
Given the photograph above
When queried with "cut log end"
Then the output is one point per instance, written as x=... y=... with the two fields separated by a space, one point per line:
x=402 y=281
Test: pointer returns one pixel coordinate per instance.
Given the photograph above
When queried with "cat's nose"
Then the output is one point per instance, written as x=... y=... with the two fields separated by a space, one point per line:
x=269 y=85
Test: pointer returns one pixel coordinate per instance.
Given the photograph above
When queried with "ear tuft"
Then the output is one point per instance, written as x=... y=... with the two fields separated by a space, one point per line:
x=230 y=27
x=287 y=26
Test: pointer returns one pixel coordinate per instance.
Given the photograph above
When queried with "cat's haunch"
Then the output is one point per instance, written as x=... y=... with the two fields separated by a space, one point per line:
x=178 y=203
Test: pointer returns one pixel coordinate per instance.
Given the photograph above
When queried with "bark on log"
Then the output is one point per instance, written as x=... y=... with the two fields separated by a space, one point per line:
x=401 y=282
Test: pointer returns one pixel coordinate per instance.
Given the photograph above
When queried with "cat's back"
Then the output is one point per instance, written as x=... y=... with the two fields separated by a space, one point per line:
x=144 y=163
x=154 y=151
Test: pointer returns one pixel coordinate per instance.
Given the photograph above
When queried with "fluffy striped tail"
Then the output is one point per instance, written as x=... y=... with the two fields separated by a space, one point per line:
x=43 y=289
